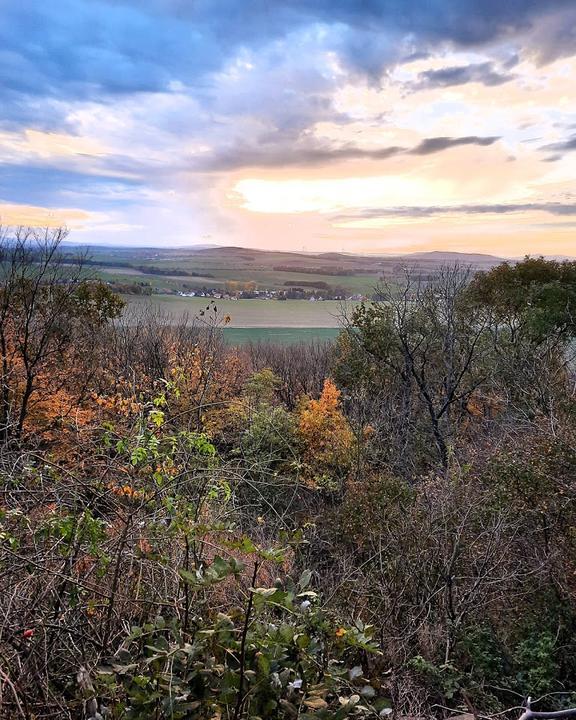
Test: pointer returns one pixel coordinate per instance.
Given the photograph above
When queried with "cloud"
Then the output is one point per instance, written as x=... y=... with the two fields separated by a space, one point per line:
x=73 y=50
x=304 y=155
x=52 y=187
x=553 y=208
x=484 y=73
x=20 y=214
x=68 y=49
x=177 y=92
x=281 y=62
x=467 y=23
x=561 y=148
x=237 y=158
x=438 y=144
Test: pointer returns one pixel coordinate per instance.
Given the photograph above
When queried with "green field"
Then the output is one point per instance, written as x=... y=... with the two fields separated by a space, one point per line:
x=278 y=335
x=163 y=272
x=249 y=313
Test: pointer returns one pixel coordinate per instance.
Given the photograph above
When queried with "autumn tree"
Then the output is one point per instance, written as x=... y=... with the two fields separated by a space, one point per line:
x=50 y=312
x=301 y=367
x=325 y=435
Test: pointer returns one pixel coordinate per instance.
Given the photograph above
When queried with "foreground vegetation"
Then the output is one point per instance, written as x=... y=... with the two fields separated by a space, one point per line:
x=381 y=526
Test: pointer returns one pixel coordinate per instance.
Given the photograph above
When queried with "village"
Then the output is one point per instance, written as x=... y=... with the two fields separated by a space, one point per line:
x=267 y=294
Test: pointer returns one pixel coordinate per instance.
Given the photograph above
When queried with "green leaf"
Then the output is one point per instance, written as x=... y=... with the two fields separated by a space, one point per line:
x=156 y=417
x=263 y=664
x=220 y=567
x=189 y=577
x=138 y=455
x=305 y=579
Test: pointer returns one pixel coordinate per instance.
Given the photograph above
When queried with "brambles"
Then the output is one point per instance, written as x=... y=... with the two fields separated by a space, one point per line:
x=278 y=656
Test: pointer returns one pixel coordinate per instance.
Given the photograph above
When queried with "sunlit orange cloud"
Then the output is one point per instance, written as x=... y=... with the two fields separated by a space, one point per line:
x=513 y=241
x=11 y=214
x=536 y=233
x=50 y=144
x=506 y=237
x=462 y=174
x=47 y=145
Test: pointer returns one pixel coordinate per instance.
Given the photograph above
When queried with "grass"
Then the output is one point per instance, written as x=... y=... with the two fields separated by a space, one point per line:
x=278 y=335
x=218 y=265
x=158 y=282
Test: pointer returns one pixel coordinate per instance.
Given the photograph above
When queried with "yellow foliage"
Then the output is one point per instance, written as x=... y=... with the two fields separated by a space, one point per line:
x=324 y=432
x=125 y=491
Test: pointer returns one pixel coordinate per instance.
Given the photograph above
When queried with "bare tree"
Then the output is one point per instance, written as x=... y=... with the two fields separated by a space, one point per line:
x=301 y=367
x=425 y=344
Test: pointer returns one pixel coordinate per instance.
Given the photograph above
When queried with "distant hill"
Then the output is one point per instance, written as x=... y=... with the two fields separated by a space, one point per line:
x=276 y=257
x=442 y=256
x=434 y=256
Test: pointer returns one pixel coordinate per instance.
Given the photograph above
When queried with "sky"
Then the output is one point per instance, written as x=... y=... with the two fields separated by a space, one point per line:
x=319 y=125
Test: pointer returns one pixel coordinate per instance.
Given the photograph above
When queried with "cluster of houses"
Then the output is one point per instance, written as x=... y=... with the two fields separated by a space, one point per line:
x=220 y=295
x=290 y=294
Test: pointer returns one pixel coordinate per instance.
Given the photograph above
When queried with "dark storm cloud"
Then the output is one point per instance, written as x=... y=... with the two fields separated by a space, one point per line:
x=78 y=49
x=235 y=158
x=553 y=208
x=437 y=144
x=464 y=22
